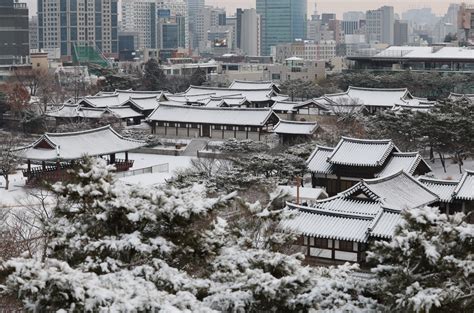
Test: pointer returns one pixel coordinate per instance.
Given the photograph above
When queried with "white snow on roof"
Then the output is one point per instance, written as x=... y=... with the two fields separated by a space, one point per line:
x=145 y=103
x=306 y=193
x=124 y=95
x=465 y=189
x=218 y=116
x=296 y=128
x=124 y=112
x=369 y=96
x=65 y=111
x=317 y=162
x=251 y=85
x=444 y=189
x=361 y=152
x=385 y=224
x=344 y=205
x=406 y=161
x=284 y=106
x=318 y=224
x=101 y=101
x=74 y=145
x=254 y=95
x=410 y=52
x=398 y=191
x=90 y=112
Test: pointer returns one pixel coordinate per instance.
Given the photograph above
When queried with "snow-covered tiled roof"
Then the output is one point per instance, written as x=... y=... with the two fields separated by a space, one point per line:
x=254 y=95
x=286 y=106
x=306 y=193
x=444 y=189
x=465 y=188
x=65 y=111
x=252 y=85
x=74 y=145
x=361 y=152
x=144 y=103
x=124 y=95
x=124 y=112
x=296 y=128
x=384 y=225
x=365 y=207
x=205 y=115
x=86 y=112
x=406 y=161
x=324 y=224
x=398 y=191
x=459 y=96
x=317 y=161
x=369 y=96
x=103 y=101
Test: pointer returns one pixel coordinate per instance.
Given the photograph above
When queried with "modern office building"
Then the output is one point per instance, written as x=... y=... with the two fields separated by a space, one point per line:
x=14 y=32
x=69 y=24
x=282 y=21
x=194 y=6
x=250 y=32
x=400 y=33
x=33 y=32
x=380 y=23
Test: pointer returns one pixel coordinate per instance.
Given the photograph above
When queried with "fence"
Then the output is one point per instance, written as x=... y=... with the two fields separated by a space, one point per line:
x=160 y=168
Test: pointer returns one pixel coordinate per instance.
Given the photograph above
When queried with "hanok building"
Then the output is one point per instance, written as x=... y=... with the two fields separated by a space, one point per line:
x=254 y=85
x=454 y=195
x=291 y=132
x=217 y=123
x=341 y=228
x=343 y=166
x=371 y=100
x=72 y=113
x=62 y=151
x=459 y=96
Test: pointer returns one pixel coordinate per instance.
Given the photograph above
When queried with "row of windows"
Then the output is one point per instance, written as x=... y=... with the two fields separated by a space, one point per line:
x=215 y=127
x=323 y=243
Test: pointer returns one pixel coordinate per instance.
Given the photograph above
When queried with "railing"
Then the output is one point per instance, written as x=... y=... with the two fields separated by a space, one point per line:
x=161 y=168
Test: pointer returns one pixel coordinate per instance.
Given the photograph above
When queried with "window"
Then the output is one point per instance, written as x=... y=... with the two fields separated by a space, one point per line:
x=346 y=245
x=321 y=243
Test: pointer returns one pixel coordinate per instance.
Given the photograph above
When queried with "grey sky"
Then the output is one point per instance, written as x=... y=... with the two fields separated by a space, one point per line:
x=333 y=6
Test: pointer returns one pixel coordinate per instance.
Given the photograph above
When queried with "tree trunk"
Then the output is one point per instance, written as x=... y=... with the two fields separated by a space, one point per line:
x=432 y=158
x=460 y=161
x=441 y=158
x=7 y=182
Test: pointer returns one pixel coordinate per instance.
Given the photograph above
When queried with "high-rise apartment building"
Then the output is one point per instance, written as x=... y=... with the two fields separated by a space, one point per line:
x=400 y=33
x=282 y=21
x=33 y=25
x=143 y=17
x=250 y=32
x=65 y=24
x=14 y=32
x=380 y=25
x=206 y=18
x=194 y=6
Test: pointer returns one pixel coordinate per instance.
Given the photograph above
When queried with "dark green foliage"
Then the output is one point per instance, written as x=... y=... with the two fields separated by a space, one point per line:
x=154 y=77
x=299 y=89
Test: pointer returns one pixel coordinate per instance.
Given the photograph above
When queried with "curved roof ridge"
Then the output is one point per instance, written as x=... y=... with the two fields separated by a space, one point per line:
x=314 y=210
x=366 y=140
x=298 y=122
x=101 y=97
x=227 y=88
x=462 y=181
x=217 y=109
x=378 y=89
x=409 y=153
x=439 y=181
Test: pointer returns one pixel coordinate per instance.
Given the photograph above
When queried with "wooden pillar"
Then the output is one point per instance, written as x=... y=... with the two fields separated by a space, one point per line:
x=112 y=158
x=43 y=164
x=29 y=166
x=126 y=156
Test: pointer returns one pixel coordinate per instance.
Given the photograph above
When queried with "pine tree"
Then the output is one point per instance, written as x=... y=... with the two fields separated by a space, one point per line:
x=154 y=77
x=428 y=265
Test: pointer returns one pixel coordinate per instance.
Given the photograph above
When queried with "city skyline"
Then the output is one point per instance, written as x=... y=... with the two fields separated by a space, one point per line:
x=439 y=7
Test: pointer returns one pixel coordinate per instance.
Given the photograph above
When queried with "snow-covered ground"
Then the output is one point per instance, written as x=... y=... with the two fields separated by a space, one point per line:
x=147 y=160
x=452 y=170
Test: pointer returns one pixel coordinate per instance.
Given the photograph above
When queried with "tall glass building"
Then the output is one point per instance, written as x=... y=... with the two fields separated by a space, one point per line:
x=14 y=32
x=283 y=21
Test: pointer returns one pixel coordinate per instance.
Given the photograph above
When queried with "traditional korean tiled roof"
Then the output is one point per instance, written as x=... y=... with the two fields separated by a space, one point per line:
x=317 y=161
x=460 y=96
x=361 y=152
x=254 y=95
x=217 y=116
x=103 y=101
x=65 y=111
x=74 y=145
x=397 y=192
x=93 y=113
x=144 y=103
x=306 y=193
x=125 y=95
x=286 y=106
x=406 y=161
x=321 y=103
x=252 y=85
x=444 y=189
x=296 y=128
x=343 y=205
x=384 y=224
x=329 y=225
x=465 y=188
x=124 y=112
x=369 y=96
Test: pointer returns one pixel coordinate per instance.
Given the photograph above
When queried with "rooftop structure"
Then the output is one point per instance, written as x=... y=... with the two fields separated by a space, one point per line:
x=436 y=58
x=254 y=85
x=341 y=167
x=339 y=228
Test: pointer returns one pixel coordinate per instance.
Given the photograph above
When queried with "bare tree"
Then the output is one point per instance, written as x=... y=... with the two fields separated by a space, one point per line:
x=9 y=159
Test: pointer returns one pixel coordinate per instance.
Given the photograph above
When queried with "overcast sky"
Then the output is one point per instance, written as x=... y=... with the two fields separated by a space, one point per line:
x=332 y=6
